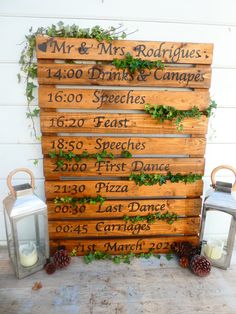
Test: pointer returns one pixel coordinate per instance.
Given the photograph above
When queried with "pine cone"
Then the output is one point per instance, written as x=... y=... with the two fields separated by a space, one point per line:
x=200 y=266
x=50 y=268
x=182 y=249
x=61 y=259
x=184 y=262
x=196 y=250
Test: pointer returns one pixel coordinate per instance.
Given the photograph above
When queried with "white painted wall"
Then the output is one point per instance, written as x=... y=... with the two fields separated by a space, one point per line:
x=202 y=21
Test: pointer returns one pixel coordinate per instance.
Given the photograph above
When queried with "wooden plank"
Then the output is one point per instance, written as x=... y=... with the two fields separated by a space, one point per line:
x=118 y=227
x=139 y=146
x=87 y=74
x=51 y=97
x=71 y=122
x=91 y=49
x=121 y=167
x=120 y=189
x=120 y=208
x=122 y=246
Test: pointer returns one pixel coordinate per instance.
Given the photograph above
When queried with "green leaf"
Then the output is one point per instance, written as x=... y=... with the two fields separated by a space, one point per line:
x=126 y=154
x=36 y=161
x=19 y=77
x=117 y=259
x=52 y=154
x=168 y=256
x=89 y=258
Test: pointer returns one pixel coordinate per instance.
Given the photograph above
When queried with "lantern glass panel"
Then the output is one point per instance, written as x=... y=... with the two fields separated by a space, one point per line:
x=217 y=225
x=215 y=239
x=30 y=235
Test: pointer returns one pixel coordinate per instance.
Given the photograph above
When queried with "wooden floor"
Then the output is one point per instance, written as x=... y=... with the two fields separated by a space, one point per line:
x=144 y=286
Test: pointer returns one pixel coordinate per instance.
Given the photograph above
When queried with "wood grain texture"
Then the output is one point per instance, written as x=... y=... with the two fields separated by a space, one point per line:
x=120 y=189
x=115 y=228
x=52 y=97
x=84 y=74
x=115 y=145
x=122 y=246
x=121 y=167
x=91 y=49
x=71 y=122
x=120 y=208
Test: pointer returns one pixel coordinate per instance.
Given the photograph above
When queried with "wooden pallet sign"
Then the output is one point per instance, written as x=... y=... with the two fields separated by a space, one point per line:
x=96 y=136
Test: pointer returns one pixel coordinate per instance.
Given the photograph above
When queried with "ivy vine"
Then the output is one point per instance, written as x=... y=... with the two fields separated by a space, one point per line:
x=117 y=259
x=76 y=200
x=136 y=64
x=69 y=156
x=28 y=65
x=170 y=218
x=162 y=113
x=152 y=179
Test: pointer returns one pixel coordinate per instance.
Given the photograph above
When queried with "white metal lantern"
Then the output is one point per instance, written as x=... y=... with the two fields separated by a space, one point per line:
x=26 y=227
x=222 y=202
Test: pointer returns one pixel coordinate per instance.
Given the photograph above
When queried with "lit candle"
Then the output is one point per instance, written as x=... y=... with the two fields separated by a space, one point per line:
x=28 y=254
x=214 y=249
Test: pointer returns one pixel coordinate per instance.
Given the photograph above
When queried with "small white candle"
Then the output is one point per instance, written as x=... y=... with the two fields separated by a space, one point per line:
x=214 y=249
x=28 y=254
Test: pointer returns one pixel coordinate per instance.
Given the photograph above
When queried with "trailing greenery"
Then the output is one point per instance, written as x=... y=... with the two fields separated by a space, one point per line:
x=84 y=200
x=136 y=64
x=69 y=156
x=28 y=65
x=117 y=259
x=170 y=218
x=162 y=113
x=152 y=179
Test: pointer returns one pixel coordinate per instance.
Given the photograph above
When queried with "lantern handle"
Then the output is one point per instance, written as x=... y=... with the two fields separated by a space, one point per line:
x=213 y=180
x=12 y=173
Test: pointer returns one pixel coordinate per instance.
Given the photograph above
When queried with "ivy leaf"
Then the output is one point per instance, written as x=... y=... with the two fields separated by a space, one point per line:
x=117 y=259
x=88 y=258
x=36 y=161
x=99 y=158
x=168 y=256
x=60 y=163
x=19 y=78
x=32 y=114
x=52 y=154
x=126 y=154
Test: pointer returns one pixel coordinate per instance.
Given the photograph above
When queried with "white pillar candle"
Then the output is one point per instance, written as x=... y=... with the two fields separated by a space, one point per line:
x=28 y=254
x=214 y=249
